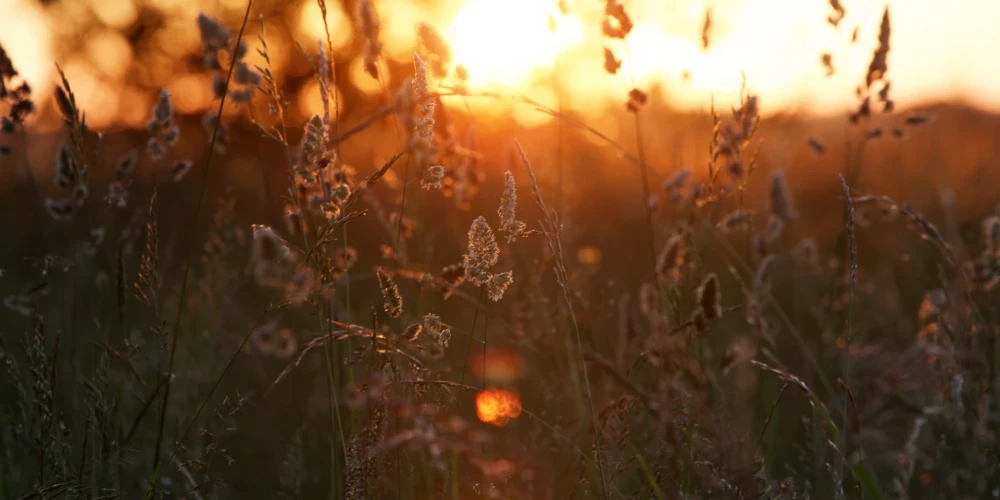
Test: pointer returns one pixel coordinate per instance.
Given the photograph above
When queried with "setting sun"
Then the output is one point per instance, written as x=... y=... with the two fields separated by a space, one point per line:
x=504 y=41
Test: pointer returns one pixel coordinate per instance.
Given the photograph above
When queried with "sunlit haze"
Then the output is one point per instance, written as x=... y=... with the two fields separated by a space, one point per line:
x=940 y=51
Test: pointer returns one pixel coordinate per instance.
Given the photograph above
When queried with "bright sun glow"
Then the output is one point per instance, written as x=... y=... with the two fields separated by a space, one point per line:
x=497 y=406
x=504 y=41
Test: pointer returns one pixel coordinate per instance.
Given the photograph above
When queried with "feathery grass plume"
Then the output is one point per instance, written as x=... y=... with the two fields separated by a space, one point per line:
x=243 y=75
x=285 y=344
x=781 y=199
x=263 y=338
x=117 y=196
x=268 y=254
x=60 y=209
x=775 y=227
x=648 y=300
x=66 y=172
x=439 y=333
x=214 y=35
x=313 y=145
x=611 y=63
x=483 y=252
x=393 y=301
x=369 y=25
x=765 y=270
x=509 y=224
x=155 y=149
x=676 y=181
x=737 y=220
x=299 y=285
x=294 y=222
x=209 y=122
x=616 y=23
x=879 y=64
x=218 y=86
x=671 y=257
x=412 y=332
x=80 y=194
x=16 y=92
x=838 y=13
x=147 y=281
x=181 y=169
x=436 y=47
x=826 y=59
x=498 y=283
x=163 y=110
x=706 y=29
x=710 y=297
x=422 y=126
x=172 y=136
x=241 y=96
x=433 y=175
x=636 y=100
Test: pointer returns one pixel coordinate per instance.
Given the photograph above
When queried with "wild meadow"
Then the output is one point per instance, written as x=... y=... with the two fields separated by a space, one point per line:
x=403 y=299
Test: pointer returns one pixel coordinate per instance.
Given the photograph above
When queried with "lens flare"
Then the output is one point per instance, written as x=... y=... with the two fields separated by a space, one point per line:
x=502 y=42
x=497 y=366
x=497 y=406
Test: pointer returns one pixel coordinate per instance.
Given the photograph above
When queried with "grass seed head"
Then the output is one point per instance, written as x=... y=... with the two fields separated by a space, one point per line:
x=369 y=25
x=214 y=35
x=781 y=200
x=392 y=300
x=60 y=209
x=181 y=169
x=509 y=224
x=710 y=297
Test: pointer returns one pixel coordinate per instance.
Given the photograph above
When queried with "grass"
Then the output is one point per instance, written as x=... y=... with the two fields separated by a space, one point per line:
x=730 y=336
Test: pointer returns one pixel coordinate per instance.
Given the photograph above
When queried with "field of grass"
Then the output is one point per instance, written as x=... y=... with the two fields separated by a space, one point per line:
x=395 y=299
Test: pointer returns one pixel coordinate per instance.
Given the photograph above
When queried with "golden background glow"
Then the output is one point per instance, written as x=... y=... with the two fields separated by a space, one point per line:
x=941 y=51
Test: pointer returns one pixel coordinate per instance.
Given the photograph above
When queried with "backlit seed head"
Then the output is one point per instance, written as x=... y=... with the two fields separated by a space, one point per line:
x=294 y=223
x=412 y=332
x=60 y=209
x=393 y=301
x=117 y=195
x=163 y=110
x=285 y=344
x=263 y=338
x=80 y=194
x=155 y=149
x=126 y=164
x=781 y=199
x=172 y=136
x=497 y=285
x=432 y=177
x=181 y=169
x=214 y=35
x=710 y=297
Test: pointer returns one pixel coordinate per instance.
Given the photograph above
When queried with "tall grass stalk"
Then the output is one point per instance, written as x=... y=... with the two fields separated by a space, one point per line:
x=551 y=230
x=195 y=219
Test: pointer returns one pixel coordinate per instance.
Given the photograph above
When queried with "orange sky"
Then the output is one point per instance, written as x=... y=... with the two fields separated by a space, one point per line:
x=940 y=51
